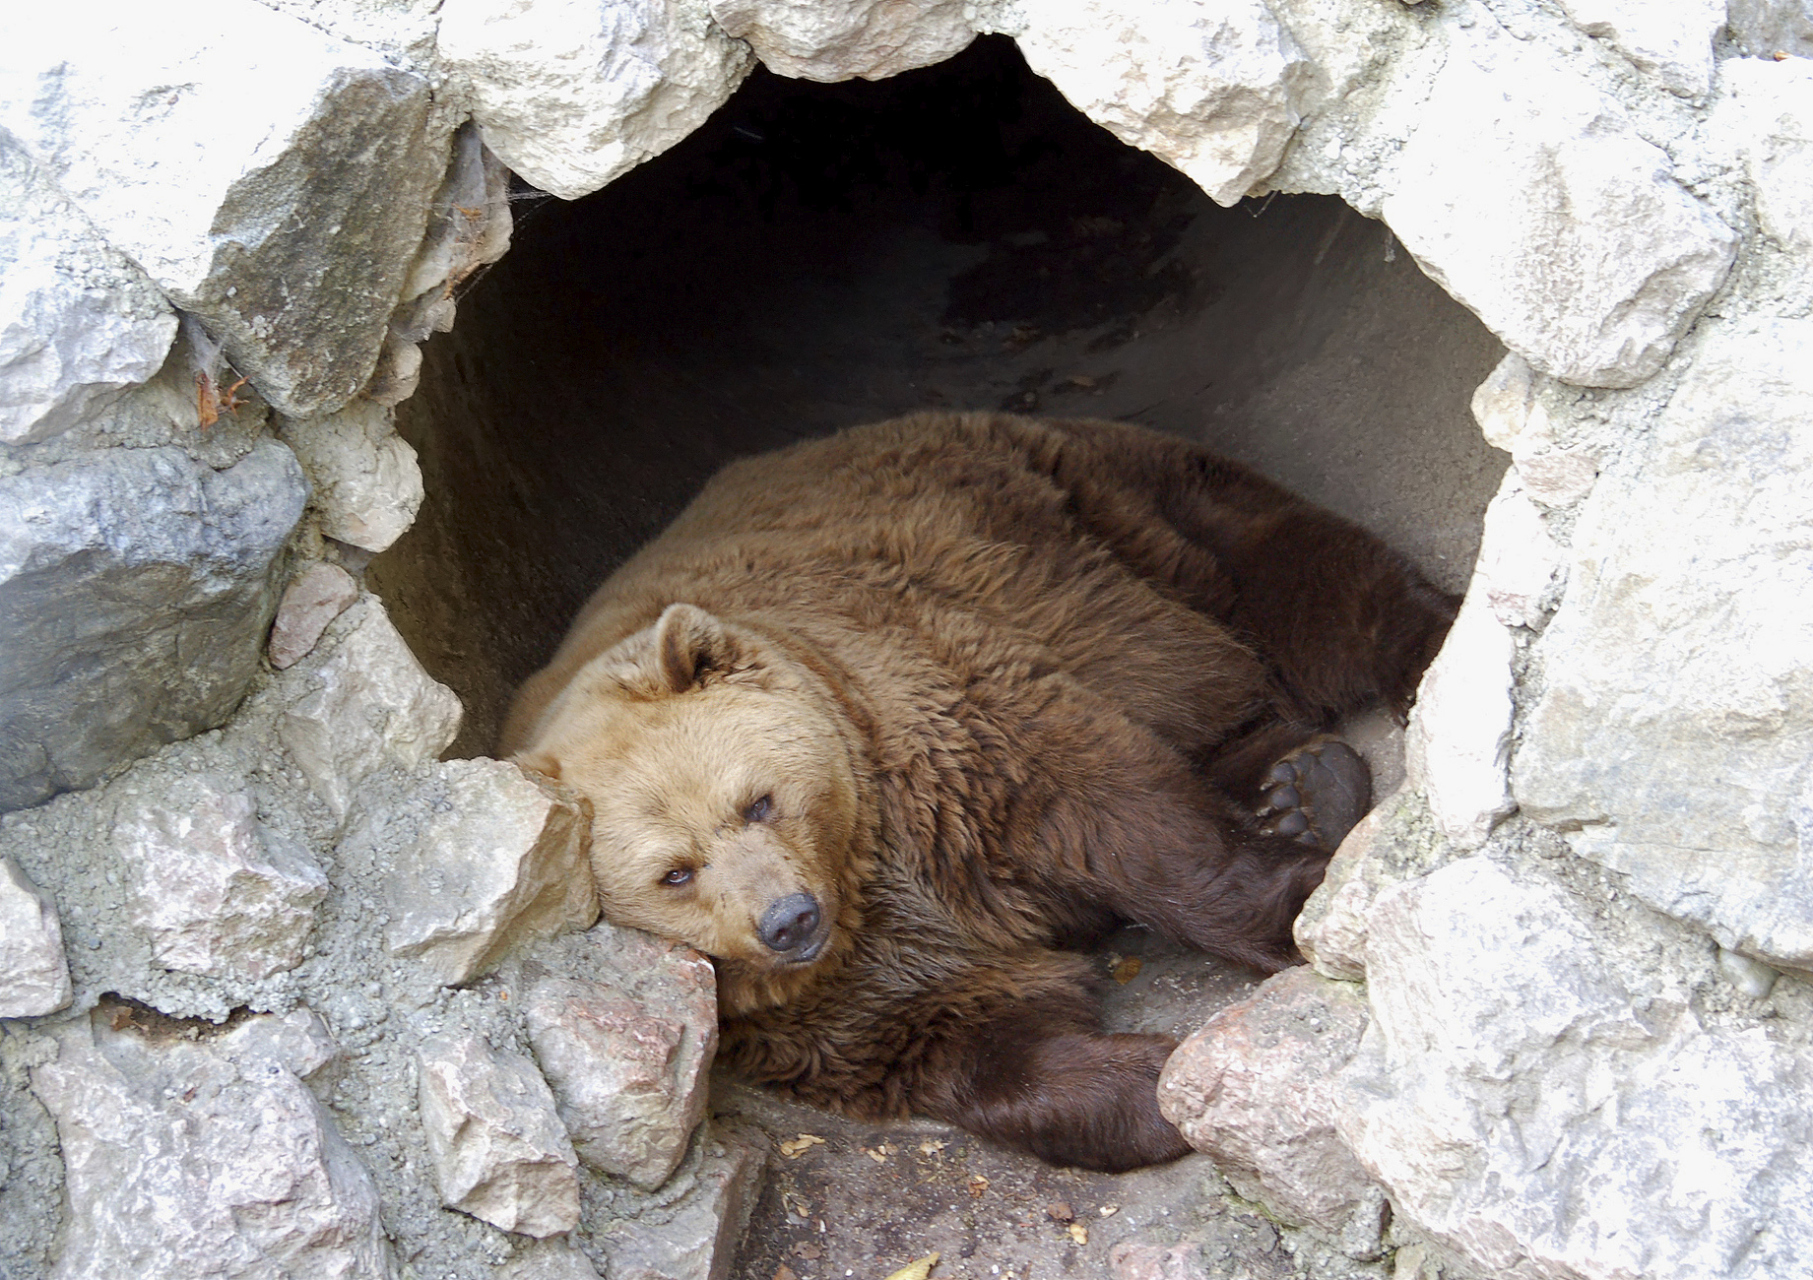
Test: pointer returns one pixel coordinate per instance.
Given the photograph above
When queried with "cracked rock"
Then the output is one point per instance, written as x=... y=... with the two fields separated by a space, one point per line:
x=136 y=588
x=499 y=1150
x=873 y=39
x=501 y=858
x=270 y=179
x=1254 y=1089
x=367 y=486
x=183 y=1158
x=629 y=1073
x=216 y=893
x=1531 y=198
x=34 y=971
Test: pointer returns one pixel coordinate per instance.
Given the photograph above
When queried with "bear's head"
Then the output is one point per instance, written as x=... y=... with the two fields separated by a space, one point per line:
x=728 y=808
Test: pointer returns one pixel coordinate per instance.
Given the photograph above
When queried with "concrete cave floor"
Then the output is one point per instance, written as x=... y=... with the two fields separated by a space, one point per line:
x=817 y=256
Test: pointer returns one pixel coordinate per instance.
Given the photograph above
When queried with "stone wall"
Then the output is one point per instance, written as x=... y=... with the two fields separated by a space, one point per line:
x=281 y=988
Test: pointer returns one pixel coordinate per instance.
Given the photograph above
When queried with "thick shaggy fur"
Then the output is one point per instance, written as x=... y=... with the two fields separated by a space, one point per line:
x=884 y=721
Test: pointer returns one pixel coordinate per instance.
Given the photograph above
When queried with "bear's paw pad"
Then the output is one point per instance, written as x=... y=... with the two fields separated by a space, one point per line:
x=1316 y=793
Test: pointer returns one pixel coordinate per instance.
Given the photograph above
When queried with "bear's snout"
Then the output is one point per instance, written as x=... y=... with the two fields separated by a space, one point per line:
x=790 y=924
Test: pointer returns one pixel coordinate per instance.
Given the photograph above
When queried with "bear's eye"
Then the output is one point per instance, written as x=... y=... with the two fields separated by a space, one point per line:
x=760 y=811
x=678 y=876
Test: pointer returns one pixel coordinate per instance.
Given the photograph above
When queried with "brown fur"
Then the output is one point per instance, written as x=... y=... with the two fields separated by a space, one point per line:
x=981 y=686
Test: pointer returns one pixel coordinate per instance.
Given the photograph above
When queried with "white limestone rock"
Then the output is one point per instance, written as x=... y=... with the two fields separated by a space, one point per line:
x=499 y=1150
x=34 y=971
x=1349 y=47
x=78 y=322
x=136 y=589
x=1765 y=115
x=1458 y=745
x=873 y=39
x=501 y=858
x=270 y=179
x=1511 y=411
x=1530 y=197
x=367 y=486
x=360 y=703
x=215 y=892
x=1670 y=742
x=690 y=1230
x=1670 y=40
x=182 y=1158
x=1254 y=1090
x=572 y=94
x=630 y=1071
x=1547 y=1115
x=1208 y=86
x=1517 y=557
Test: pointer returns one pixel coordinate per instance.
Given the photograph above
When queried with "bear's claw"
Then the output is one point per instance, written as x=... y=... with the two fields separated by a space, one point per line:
x=1316 y=793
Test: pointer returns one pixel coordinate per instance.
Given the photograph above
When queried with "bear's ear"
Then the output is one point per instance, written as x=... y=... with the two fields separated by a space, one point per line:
x=690 y=645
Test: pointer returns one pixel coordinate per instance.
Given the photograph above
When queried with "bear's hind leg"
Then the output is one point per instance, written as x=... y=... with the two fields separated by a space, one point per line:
x=1036 y=1074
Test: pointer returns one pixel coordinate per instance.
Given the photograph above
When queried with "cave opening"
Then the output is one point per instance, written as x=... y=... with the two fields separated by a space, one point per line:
x=817 y=256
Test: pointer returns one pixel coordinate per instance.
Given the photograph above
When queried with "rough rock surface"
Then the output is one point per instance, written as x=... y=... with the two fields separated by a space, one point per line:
x=1458 y=747
x=1254 y=1090
x=1530 y=196
x=270 y=179
x=872 y=39
x=1764 y=28
x=215 y=892
x=165 y=1177
x=690 y=1229
x=317 y=596
x=367 y=486
x=501 y=857
x=34 y=972
x=1671 y=40
x=362 y=704
x=500 y=1152
x=135 y=590
x=572 y=95
x=1667 y=751
x=1208 y=86
x=629 y=1071
x=78 y=322
x=1545 y=1110
x=1767 y=118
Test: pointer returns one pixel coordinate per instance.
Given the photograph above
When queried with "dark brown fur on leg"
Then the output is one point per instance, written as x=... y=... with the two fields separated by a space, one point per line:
x=1038 y=1080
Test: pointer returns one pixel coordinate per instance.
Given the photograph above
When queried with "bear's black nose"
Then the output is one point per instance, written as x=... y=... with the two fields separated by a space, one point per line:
x=790 y=923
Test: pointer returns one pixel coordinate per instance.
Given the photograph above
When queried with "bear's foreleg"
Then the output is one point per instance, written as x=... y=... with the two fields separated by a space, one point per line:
x=1039 y=1077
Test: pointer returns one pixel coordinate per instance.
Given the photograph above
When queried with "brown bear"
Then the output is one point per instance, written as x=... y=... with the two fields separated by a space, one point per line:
x=884 y=722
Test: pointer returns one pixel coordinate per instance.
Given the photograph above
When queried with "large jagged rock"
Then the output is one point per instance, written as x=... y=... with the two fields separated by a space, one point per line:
x=1668 y=39
x=499 y=1150
x=216 y=893
x=367 y=486
x=1531 y=197
x=1208 y=86
x=135 y=589
x=200 y=1155
x=872 y=39
x=628 y=1062
x=1211 y=89
x=1254 y=1089
x=269 y=178
x=78 y=322
x=571 y=95
x=34 y=971
x=361 y=703
x=1548 y=1112
x=1458 y=747
x=499 y=858
x=691 y=1229
x=1766 y=116
x=1671 y=740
